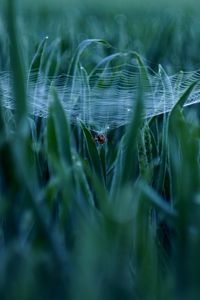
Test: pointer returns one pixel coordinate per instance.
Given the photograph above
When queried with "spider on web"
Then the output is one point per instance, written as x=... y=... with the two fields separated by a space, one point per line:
x=100 y=138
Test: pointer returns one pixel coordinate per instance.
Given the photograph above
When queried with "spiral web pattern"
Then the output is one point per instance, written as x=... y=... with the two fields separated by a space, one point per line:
x=106 y=98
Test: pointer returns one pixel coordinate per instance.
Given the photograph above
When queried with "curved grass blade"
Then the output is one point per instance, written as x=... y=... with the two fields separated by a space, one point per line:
x=81 y=48
x=103 y=63
x=74 y=65
x=182 y=100
x=144 y=76
x=37 y=60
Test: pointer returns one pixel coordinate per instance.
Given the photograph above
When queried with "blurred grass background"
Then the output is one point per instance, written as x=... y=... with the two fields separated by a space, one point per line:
x=84 y=221
x=165 y=32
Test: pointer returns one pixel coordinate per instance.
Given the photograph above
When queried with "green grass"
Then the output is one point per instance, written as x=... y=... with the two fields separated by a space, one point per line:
x=85 y=221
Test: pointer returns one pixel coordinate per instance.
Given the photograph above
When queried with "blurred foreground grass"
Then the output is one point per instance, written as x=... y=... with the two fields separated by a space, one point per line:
x=84 y=221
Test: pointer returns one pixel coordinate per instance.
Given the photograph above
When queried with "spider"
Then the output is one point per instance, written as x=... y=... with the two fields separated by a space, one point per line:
x=100 y=138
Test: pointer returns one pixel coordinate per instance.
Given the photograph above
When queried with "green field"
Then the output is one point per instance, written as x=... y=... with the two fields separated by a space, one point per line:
x=99 y=157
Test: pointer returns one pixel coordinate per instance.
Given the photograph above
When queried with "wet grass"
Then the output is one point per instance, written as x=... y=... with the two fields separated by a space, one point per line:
x=79 y=220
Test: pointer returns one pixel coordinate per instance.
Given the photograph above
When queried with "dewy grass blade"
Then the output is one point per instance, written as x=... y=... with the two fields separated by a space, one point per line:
x=85 y=96
x=62 y=129
x=37 y=59
x=130 y=142
x=130 y=139
x=178 y=83
x=167 y=85
x=16 y=58
x=126 y=160
x=144 y=76
x=53 y=60
x=167 y=92
x=180 y=103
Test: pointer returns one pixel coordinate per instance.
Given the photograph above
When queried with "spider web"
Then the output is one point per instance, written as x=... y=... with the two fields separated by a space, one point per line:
x=105 y=98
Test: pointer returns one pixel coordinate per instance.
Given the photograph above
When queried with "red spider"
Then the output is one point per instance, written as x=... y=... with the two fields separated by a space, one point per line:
x=100 y=138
